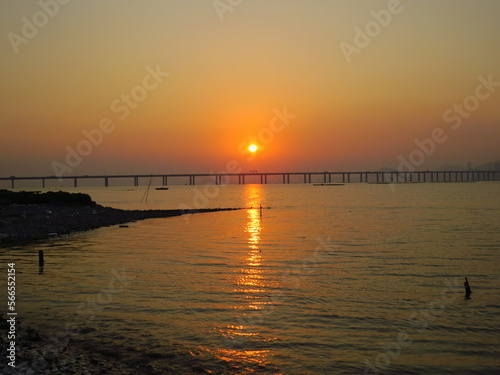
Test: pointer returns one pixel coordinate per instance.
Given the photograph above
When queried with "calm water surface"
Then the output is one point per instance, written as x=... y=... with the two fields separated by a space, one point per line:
x=331 y=280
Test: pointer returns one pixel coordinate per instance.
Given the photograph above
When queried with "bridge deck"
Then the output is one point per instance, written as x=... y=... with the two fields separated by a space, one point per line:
x=264 y=177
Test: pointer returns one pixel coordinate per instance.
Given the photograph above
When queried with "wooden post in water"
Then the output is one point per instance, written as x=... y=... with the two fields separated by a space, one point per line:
x=40 y=258
x=467 y=288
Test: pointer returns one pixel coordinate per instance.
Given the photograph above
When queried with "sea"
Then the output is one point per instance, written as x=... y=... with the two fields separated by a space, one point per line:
x=354 y=279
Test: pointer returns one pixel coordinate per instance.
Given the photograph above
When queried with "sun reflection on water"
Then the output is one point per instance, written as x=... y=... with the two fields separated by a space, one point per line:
x=254 y=228
x=252 y=290
x=251 y=281
x=257 y=357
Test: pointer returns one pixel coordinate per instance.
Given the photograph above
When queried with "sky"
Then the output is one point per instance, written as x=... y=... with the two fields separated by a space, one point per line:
x=184 y=86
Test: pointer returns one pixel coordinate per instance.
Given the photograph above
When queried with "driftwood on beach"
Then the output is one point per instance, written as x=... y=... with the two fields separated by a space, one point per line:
x=27 y=216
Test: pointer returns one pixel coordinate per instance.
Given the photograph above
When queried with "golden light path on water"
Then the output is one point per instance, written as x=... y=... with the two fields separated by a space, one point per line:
x=251 y=286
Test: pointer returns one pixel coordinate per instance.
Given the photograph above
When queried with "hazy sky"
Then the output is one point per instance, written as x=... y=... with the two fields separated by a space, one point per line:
x=182 y=85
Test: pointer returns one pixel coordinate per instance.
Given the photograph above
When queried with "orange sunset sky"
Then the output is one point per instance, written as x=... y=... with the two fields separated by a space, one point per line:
x=353 y=101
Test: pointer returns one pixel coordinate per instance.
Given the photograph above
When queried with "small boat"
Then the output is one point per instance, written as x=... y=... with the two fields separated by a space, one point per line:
x=162 y=188
x=328 y=184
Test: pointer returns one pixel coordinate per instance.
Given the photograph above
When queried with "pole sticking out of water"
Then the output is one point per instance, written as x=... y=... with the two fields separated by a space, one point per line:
x=467 y=288
x=40 y=258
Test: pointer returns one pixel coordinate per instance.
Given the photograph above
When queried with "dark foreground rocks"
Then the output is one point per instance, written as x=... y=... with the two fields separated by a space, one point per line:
x=28 y=216
x=62 y=198
x=41 y=354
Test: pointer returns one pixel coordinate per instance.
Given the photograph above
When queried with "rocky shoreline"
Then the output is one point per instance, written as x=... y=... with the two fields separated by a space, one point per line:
x=26 y=216
x=40 y=351
x=37 y=354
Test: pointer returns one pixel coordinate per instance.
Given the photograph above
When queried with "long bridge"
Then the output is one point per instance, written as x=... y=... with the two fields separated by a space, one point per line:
x=325 y=177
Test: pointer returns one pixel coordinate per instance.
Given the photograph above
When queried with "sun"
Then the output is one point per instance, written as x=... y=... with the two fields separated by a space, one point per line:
x=252 y=148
